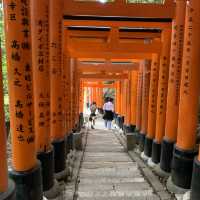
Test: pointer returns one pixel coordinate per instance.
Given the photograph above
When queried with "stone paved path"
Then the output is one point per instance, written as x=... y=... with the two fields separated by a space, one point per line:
x=108 y=173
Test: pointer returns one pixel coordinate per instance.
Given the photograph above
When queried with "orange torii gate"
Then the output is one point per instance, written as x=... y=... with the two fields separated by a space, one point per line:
x=74 y=37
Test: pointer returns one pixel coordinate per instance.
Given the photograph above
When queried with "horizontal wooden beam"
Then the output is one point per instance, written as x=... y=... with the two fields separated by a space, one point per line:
x=86 y=46
x=120 y=9
x=111 y=60
x=120 y=24
x=103 y=76
x=105 y=34
x=99 y=85
x=87 y=67
x=109 y=55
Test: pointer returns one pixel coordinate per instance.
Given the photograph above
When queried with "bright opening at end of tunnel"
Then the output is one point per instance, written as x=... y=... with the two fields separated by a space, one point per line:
x=102 y=1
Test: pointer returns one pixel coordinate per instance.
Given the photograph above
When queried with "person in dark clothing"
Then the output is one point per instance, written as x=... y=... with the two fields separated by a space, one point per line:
x=93 y=108
x=108 y=113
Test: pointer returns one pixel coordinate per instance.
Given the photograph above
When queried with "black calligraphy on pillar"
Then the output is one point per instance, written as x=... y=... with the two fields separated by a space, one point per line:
x=187 y=52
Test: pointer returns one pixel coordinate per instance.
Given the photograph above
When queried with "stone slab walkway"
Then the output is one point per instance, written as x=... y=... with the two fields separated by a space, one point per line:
x=108 y=173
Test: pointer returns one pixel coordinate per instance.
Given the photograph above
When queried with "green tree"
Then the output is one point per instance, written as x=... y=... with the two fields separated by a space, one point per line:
x=4 y=65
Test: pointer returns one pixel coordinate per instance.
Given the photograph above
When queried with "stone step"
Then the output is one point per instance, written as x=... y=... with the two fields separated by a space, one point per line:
x=152 y=197
x=120 y=174
x=109 y=170
x=114 y=193
x=104 y=149
x=108 y=173
x=94 y=165
x=114 y=187
x=111 y=180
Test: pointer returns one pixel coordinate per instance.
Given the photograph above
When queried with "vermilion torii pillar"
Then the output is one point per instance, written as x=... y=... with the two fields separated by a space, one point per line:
x=134 y=82
x=184 y=151
x=173 y=86
x=41 y=89
x=7 y=188
x=126 y=104
x=139 y=99
x=153 y=91
x=19 y=59
x=56 y=94
x=162 y=95
x=145 y=104
x=117 y=101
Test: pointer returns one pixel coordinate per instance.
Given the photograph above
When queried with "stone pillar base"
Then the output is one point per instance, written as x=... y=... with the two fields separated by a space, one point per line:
x=148 y=146
x=53 y=192
x=78 y=141
x=47 y=163
x=166 y=155
x=59 y=155
x=156 y=152
x=141 y=141
x=195 y=192
x=131 y=139
x=182 y=167
x=28 y=184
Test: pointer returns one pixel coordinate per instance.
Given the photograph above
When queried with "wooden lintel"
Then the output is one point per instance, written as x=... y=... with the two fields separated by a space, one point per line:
x=105 y=34
x=120 y=9
x=87 y=46
x=87 y=67
x=103 y=76
x=109 y=55
x=120 y=24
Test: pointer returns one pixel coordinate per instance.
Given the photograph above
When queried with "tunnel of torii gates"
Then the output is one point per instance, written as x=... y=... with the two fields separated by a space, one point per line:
x=57 y=48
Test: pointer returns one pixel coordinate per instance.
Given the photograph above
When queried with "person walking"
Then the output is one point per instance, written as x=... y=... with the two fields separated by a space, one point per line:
x=93 y=108
x=108 y=108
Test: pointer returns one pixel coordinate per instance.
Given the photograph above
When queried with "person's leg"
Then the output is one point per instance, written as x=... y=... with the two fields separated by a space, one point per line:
x=105 y=121
x=109 y=124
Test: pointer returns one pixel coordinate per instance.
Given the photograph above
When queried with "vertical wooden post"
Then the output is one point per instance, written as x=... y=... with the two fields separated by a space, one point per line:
x=162 y=95
x=184 y=151
x=19 y=59
x=56 y=94
x=7 y=188
x=41 y=89
x=139 y=99
x=145 y=103
x=173 y=86
x=127 y=109
x=153 y=92
x=134 y=82
x=81 y=100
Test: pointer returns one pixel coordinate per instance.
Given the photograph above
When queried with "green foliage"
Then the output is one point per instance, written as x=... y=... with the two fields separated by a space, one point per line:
x=4 y=65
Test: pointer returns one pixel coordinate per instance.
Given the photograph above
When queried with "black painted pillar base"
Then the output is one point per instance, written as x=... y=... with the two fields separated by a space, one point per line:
x=59 y=155
x=156 y=152
x=124 y=128
x=148 y=146
x=137 y=134
x=67 y=145
x=47 y=163
x=132 y=128
x=141 y=141
x=195 y=191
x=10 y=194
x=70 y=142
x=121 y=122
x=28 y=184
x=81 y=120
x=182 y=167
x=166 y=155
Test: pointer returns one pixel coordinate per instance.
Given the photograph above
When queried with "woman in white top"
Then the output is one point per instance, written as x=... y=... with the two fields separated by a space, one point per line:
x=108 y=108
